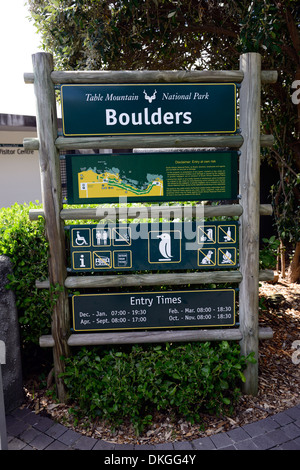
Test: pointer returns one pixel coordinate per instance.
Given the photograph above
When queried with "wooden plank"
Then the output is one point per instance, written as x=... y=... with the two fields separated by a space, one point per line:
x=173 y=141
x=120 y=142
x=152 y=212
x=93 y=339
x=156 y=279
x=265 y=209
x=132 y=76
x=52 y=204
x=145 y=212
x=249 y=234
x=152 y=279
x=149 y=212
x=161 y=279
x=266 y=275
x=142 y=76
x=149 y=141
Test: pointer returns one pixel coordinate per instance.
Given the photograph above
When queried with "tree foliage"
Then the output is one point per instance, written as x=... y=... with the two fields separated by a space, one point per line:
x=134 y=34
x=192 y=34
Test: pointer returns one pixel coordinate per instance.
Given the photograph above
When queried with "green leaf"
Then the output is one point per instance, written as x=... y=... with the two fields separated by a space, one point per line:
x=226 y=401
x=176 y=376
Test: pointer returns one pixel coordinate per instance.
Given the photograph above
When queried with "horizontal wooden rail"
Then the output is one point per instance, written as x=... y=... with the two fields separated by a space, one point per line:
x=149 y=279
x=148 y=76
x=154 y=212
x=265 y=209
x=144 y=212
x=152 y=279
x=149 y=141
x=134 y=337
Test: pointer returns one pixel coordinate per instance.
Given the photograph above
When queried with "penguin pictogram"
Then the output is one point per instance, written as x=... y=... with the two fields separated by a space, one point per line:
x=165 y=247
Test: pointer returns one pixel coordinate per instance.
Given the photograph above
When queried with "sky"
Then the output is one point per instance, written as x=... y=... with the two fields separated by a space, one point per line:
x=18 y=41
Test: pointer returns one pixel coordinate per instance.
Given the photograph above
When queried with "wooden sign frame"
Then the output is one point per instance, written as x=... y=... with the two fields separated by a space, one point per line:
x=249 y=141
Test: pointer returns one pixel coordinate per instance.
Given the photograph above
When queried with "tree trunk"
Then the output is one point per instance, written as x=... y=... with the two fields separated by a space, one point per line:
x=294 y=268
x=282 y=257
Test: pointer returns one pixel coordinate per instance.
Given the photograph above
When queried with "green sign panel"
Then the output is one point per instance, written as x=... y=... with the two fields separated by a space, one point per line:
x=137 y=109
x=174 y=309
x=153 y=246
x=151 y=177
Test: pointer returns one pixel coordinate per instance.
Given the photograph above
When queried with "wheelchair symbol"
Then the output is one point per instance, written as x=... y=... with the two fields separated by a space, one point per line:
x=80 y=240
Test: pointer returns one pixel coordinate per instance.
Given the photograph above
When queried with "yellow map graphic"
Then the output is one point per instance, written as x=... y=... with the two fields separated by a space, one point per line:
x=94 y=185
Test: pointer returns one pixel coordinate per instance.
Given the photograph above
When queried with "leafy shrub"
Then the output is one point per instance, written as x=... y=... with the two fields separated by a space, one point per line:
x=268 y=253
x=24 y=242
x=117 y=385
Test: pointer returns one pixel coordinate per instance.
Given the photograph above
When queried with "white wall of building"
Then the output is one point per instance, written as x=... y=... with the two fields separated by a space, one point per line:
x=19 y=169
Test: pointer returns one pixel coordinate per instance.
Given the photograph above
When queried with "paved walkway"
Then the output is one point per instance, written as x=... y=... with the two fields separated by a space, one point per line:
x=28 y=431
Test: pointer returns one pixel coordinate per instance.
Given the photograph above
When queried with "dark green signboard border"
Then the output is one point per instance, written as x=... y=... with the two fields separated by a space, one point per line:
x=180 y=176
x=143 y=109
x=154 y=246
x=149 y=310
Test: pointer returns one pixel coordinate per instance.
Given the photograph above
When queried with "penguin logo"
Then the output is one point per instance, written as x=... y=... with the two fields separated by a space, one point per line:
x=165 y=247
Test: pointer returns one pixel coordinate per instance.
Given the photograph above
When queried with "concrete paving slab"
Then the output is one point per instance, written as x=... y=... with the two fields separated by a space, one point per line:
x=28 y=431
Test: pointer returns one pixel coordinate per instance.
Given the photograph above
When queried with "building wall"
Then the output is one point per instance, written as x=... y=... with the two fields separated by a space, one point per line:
x=19 y=168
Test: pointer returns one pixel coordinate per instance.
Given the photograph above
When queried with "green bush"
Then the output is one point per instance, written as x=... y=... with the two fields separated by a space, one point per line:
x=268 y=253
x=116 y=385
x=24 y=243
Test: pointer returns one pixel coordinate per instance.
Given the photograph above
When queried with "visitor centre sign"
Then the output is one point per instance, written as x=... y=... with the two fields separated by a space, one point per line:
x=143 y=109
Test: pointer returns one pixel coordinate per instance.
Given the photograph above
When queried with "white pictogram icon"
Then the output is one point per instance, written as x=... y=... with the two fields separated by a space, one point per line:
x=150 y=98
x=207 y=258
x=227 y=258
x=101 y=237
x=122 y=259
x=80 y=240
x=165 y=247
x=102 y=261
x=207 y=236
x=121 y=236
x=227 y=237
x=82 y=265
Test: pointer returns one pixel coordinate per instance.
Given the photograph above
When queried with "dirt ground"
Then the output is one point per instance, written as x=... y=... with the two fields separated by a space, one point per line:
x=279 y=381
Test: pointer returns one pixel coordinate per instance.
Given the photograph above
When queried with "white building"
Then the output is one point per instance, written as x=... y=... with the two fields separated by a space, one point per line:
x=19 y=168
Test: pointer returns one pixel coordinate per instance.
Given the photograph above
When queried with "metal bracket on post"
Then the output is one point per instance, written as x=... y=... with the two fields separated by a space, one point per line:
x=3 y=434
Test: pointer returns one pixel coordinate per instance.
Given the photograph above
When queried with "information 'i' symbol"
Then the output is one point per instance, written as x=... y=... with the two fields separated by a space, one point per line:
x=165 y=247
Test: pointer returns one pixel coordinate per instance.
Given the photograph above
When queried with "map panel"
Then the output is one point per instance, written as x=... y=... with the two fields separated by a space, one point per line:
x=138 y=177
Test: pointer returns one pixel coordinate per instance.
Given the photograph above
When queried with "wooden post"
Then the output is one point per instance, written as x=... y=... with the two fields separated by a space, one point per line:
x=249 y=175
x=52 y=203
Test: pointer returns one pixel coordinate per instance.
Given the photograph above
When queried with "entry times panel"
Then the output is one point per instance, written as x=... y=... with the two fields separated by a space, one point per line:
x=174 y=309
